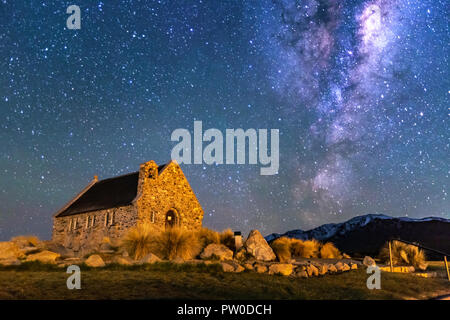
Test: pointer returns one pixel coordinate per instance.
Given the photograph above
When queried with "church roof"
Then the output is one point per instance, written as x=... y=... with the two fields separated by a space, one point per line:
x=104 y=194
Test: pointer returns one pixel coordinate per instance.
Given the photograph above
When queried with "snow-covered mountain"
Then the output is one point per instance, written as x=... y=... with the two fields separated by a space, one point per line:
x=375 y=229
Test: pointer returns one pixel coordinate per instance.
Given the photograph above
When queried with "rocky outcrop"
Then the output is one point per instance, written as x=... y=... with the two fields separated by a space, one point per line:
x=44 y=257
x=368 y=261
x=231 y=266
x=248 y=266
x=339 y=266
x=312 y=270
x=122 y=261
x=218 y=251
x=258 y=247
x=95 y=261
x=301 y=274
x=323 y=269
x=149 y=258
x=260 y=268
x=332 y=268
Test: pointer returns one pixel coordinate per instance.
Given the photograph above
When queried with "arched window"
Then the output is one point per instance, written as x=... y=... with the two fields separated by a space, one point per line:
x=172 y=219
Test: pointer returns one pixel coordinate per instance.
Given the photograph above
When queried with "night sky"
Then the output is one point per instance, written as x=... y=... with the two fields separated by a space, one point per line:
x=359 y=90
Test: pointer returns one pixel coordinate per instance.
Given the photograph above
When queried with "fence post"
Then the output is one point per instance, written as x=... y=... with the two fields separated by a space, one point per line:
x=446 y=267
x=390 y=256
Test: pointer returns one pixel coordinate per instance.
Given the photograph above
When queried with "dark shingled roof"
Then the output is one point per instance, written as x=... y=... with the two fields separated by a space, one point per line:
x=105 y=194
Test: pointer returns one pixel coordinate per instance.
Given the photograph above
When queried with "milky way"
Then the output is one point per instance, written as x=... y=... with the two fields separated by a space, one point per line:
x=358 y=89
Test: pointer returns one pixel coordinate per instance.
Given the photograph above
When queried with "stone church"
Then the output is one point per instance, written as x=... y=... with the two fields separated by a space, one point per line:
x=158 y=195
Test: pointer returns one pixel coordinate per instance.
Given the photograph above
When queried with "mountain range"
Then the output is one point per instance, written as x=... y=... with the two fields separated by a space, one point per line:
x=365 y=235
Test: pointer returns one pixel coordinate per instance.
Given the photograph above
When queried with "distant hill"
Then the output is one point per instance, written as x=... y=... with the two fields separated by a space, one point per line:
x=366 y=234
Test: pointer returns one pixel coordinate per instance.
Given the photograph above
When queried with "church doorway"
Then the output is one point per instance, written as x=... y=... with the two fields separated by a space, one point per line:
x=171 y=219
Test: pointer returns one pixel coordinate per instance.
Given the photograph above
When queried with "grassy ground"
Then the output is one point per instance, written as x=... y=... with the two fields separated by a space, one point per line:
x=170 y=281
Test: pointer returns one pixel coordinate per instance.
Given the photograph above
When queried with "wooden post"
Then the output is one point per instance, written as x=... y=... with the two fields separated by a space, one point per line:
x=390 y=257
x=446 y=267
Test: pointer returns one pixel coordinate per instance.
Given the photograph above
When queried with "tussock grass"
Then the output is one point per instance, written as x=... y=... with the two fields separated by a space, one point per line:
x=282 y=249
x=285 y=248
x=207 y=236
x=139 y=241
x=404 y=254
x=176 y=243
x=329 y=251
x=26 y=241
x=311 y=248
x=173 y=243
x=297 y=247
x=227 y=239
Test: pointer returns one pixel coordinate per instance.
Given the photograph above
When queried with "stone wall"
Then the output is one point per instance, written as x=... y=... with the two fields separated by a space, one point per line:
x=168 y=190
x=85 y=232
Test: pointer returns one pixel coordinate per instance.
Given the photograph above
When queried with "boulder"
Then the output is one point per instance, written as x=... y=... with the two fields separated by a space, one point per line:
x=217 y=250
x=301 y=268
x=70 y=261
x=243 y=255
x=332 y=268
x=122 y=261
x=106 y=247
x=258 y=247
x=231 y=266
x=44 y=257
x=368 y=261
x=10 y=250
x=149 y=258
x=248 y=266
x=312 y=270
x=260 y=268
x=95 y=261
x=177 y=260
x=353 y=266
x=345 y=267
x=58 y=248
x=284 y=269
x=422 y=266
x=323 y=269
x=339 y=266
x=302 y=274
x=226 y=267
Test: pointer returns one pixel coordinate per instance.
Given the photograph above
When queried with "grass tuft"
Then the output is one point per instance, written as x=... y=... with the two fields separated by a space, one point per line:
x=176 y=243
x=329 y=251
x=404 y=254
x=207 y=236
x=285 y=248
x=26 y=241
x=139 y=241
x=282 y=249
x=227 y=239
x=311 y=248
